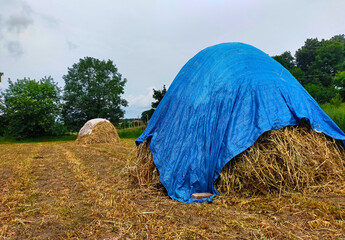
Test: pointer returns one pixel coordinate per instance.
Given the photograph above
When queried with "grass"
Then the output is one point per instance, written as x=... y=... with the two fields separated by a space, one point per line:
x=336 y=113
x=61 y=190
x=134 y=132
x=64 y=138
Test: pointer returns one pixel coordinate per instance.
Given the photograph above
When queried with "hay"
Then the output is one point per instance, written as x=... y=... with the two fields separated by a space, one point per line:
x=102 y=132
x=294 y=158
x=144 y=172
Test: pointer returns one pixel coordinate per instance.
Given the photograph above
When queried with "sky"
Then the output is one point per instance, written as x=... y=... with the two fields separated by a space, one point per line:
x=149 y=41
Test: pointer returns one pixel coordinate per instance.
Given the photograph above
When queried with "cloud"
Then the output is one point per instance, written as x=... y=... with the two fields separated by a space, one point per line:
x=138 y=103
x=71 y=45
x=14 y=48
x=142 y=100
x=20 y=21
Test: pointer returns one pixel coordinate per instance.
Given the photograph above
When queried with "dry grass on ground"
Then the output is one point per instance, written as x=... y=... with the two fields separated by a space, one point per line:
x=70 y=191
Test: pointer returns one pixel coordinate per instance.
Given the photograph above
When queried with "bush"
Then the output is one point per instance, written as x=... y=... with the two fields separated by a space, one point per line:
x=130 y=132
x=336 y=113
x=320 y=93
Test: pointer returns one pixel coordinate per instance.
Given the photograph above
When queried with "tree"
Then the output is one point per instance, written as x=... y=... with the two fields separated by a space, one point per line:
x=146 y=115
x=338 y=38
x=339 y=82
x=3 y=120
x=92 y=90
x=320 y=93
x=329 y=59
x=30 y=108
x=286 y=60
x=158 y=96
x=299 y=75
x=305 y=56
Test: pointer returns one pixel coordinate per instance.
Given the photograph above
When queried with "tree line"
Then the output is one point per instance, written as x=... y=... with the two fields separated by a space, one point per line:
x=93 y=88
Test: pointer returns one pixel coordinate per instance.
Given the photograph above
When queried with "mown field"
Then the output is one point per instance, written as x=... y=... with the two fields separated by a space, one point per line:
x=60 y=190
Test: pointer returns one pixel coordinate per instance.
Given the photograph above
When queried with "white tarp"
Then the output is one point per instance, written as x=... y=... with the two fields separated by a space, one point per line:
x=89 y=125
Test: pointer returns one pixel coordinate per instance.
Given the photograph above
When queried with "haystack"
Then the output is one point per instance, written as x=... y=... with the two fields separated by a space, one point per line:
x=98 y=130
x=219 y=104
x=290 y=159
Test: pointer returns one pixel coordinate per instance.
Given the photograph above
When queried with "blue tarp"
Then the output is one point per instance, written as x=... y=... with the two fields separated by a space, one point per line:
x=220 y=102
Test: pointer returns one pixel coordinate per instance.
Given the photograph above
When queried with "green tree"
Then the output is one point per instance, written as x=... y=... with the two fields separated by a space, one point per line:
x=285 y=59
x=329 y=59
x=299 y=75
x=338 y=38
x=320 y=93
x=3 y=120
x=339 y=83
x=30 y=108
x=158 y=96
x=146 y=115
x=305 y=56
x=92 y=90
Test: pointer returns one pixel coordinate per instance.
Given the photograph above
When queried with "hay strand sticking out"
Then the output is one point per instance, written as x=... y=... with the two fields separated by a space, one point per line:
x=102 y=132
x=293 y=158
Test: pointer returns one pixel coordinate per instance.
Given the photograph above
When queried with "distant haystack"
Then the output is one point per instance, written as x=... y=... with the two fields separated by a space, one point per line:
x=97 y=130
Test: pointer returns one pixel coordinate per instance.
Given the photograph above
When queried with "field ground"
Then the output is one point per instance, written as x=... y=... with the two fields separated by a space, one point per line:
x=59 y=190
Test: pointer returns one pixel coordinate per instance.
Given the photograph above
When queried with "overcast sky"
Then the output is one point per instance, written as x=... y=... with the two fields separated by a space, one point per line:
x=149 y=41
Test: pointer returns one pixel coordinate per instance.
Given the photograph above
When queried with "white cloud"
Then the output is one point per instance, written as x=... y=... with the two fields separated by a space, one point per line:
x=141 y=100
x=138 y=103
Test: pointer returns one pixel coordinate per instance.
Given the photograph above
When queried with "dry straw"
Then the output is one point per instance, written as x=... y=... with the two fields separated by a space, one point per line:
x=102 y=132
x=143 y=171
x=293 y=158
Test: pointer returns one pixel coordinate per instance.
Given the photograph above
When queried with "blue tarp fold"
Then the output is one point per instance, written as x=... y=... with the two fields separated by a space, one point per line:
x=220 y=102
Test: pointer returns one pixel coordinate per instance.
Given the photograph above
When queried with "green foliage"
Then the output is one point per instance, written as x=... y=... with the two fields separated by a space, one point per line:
x=336 y=101
x=305 y=56
x=299 y=75
x=92 y=90
x=286 y=60
x=320 y=93
x=158 y=96
x=339 y=82
x=329 y=59
x=336 y=113
x=29 y=108
x=146 y=115
x=320 y=60
x=130 y=132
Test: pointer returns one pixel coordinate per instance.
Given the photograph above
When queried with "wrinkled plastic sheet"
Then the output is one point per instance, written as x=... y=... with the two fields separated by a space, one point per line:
x=218 y=105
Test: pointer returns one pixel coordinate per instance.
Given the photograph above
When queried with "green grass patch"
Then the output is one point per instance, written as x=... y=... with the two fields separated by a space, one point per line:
x=130 y=132
x=64 y=138
x=337 y=113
